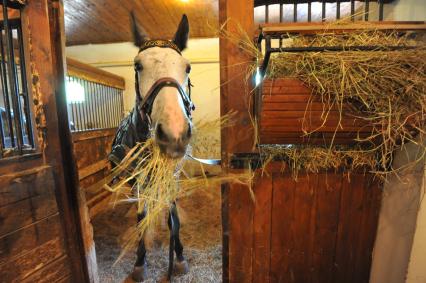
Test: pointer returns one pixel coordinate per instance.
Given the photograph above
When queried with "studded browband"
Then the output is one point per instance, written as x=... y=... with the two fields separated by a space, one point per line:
x=159 y=43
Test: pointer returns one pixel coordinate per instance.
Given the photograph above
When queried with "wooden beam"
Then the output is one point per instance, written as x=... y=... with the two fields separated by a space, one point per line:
x=237 y=205
x=86 y=72
x=92 y=169
x=312 y=28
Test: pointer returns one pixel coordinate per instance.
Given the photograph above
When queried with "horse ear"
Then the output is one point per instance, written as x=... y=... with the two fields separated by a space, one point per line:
x=182 y=33
x=138 y=33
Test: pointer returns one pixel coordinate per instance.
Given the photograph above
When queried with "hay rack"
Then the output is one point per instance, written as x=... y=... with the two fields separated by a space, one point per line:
x=280 y=105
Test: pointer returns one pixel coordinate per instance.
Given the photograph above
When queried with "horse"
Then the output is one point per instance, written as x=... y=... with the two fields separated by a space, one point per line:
x=162 y=111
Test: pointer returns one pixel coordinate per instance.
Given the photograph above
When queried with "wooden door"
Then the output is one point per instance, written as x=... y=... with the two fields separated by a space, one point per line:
x=40 y=234
x=320 y=228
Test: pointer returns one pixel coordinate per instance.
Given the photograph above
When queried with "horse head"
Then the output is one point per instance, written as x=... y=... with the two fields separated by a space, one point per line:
x=161 y=75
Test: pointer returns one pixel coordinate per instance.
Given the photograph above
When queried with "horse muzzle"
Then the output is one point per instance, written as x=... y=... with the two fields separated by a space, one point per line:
x=172 y=147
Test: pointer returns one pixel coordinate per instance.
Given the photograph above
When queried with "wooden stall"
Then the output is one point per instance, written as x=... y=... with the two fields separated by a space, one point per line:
x=318 y=228
x=40 y=231
x=95 y=127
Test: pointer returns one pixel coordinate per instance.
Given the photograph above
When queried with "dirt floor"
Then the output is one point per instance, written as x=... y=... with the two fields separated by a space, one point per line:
x=200 y=235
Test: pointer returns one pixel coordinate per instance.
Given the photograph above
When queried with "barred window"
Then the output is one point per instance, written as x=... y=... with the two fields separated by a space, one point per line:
x=16 y=132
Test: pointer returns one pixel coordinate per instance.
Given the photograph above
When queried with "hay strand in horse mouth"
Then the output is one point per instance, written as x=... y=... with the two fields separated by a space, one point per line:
x=158 y=181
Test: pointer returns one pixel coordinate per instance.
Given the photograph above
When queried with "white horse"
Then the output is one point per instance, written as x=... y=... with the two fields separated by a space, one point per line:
x=163 y=112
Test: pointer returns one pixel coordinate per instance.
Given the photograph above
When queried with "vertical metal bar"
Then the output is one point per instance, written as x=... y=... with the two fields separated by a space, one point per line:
x=323 y=11
x=309 y=11
x=117 y=106
x=122 y=104
x=12 y=77
x=108 y=104
x=266 y=13
x=6 y=91
x=281 y=13
x=337 y=9
x=104 y=123
x=84 y=104
x=97 y=106
x=295 y=11
x=381 y=8
x=109 y=99
x=367 y=10
x=24 y=87
x=80 y=111
x=92 y=103
x=352 y=10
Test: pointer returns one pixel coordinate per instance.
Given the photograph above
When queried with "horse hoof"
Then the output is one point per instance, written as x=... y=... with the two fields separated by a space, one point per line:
x=181 y=267
x=139 y=273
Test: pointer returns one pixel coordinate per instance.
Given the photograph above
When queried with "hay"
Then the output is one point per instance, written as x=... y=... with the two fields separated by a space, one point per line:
x=159 y=181
x=385 y=88
x=313 y=159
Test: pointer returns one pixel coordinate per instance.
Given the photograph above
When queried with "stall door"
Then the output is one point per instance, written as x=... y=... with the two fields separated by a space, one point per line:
x=320 y=228
x=39 y=232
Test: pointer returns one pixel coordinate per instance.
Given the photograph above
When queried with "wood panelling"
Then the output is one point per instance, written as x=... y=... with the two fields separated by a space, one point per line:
x=104 y=21
x=91 y=149
x=87 y=72
x=39 y=231
x=320 y=228
x=288 y=111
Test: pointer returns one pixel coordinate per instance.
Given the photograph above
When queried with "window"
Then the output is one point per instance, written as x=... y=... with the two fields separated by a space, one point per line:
x=16 y=132
x=93 y=105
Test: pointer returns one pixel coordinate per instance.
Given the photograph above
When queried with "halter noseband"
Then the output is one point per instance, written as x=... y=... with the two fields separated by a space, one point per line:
x=145 y=108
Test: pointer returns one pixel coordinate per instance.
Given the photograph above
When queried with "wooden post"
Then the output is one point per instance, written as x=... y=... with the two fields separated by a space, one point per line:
x=237 y=206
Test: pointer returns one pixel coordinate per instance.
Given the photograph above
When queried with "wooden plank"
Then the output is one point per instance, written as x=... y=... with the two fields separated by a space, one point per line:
x=28 y=238
x=262 y=228
x=368 y=229
x=27 y=211
x=321 y=27
x=281 y=223
x=302 y=228
x=87 y=72
x=53 y=272
x=326 y=223
x=93 y=134
x=25 y=184
x=19 y=268
x=350 y=219
x=241 y=211
x=238 y=216
x=92 y=169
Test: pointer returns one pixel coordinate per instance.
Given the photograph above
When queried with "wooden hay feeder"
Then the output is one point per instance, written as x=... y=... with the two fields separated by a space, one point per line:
x=290 y=114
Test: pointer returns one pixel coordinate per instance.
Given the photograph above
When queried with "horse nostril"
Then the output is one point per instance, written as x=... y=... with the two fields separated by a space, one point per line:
x=161 y=135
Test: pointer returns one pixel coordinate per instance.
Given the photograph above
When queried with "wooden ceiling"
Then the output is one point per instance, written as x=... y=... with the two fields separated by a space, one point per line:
x=106 y=21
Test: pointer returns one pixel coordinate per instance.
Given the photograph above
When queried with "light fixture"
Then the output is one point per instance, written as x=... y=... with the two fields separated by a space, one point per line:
x=184 y=1
x=75 y=92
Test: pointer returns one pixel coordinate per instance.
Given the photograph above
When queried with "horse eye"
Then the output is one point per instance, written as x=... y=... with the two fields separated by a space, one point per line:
x=138 y=66
x=188 y=69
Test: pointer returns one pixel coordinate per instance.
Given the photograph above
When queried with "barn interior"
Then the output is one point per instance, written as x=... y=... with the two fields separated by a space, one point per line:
x=73 y=81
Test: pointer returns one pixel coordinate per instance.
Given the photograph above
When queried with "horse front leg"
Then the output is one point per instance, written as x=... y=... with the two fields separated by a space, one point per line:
x=181 y=265
x=139 y=272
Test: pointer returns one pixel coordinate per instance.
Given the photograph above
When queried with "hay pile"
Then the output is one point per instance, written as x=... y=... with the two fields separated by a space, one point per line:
x=159 y=181
x=385 y=88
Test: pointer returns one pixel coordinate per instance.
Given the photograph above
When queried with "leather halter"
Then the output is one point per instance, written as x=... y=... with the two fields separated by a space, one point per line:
x=146 y=103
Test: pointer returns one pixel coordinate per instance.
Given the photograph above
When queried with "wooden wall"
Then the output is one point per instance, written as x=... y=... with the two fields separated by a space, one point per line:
x=91 y=149
x=40 y=232
x=32 y=241
x=320 y=228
